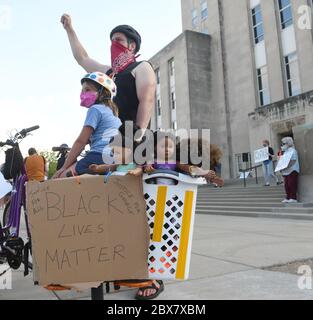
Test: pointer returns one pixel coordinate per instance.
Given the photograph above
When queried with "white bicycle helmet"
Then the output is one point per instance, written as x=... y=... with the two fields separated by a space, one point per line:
x=103 y=80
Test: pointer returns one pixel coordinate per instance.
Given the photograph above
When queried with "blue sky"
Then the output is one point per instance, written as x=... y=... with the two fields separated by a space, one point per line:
x=39 y=78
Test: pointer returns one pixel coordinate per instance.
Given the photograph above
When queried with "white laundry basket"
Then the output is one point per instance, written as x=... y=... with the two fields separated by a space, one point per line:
x=171 y=212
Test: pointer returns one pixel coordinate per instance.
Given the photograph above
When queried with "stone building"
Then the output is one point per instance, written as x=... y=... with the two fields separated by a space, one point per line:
x=242 y=68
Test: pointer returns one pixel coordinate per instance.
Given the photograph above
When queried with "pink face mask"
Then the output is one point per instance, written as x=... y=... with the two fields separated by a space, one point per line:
x=88 y=99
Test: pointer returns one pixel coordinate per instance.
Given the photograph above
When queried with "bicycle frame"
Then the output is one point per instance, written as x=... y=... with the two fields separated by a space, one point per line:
x=12 y=247
x=18 y=201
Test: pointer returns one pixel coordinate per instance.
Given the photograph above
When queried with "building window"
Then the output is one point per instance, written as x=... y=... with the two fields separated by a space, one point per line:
x=292 y=75
x=204 y=10
x=173 y=100
x=194 y=18
x=263 y=86
x=159 y=107
x=174 y=125
x=158 y=98
x=285 y=12
x=257 y=22
x=171 y=64
x=159 y=112
x=157 y=74
x=172 y=91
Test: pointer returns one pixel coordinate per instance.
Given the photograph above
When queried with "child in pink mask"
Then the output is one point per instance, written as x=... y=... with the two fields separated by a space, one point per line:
x=101 y=124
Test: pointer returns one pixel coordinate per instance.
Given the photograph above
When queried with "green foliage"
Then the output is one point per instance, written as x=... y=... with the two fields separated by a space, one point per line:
x=52 y=169
x=52 y=161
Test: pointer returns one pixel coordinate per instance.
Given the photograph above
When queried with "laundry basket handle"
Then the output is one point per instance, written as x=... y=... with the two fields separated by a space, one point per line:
x=163 y=171
x=175 y=176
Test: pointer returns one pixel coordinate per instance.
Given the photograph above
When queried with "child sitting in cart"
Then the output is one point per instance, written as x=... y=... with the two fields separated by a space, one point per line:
x=164 y=156
x=165 y=151
x=122 y=148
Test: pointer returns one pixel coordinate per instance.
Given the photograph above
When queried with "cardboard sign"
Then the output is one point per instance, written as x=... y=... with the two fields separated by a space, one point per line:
x=284 y=161
x=88 y=232
x=261 y=155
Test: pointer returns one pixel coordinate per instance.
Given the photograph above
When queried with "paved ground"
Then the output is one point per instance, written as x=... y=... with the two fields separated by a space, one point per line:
x=292 y=267
x=229 y=254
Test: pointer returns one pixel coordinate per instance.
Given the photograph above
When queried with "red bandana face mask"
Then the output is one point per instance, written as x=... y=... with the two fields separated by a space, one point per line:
x=121 y=57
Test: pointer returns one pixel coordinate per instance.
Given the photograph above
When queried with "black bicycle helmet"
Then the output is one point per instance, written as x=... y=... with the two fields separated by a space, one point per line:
x=130 y=33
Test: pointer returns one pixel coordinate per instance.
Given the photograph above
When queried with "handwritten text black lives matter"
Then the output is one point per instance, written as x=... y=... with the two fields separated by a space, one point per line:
x=56 y=209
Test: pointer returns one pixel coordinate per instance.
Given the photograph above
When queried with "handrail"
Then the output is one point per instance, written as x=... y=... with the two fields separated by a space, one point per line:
x=250 y=169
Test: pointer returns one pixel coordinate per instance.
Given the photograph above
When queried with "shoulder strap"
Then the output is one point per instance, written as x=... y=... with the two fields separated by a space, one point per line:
x=131 y=67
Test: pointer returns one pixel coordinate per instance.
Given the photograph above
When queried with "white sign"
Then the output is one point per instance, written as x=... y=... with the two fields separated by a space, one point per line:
x=5 y=277
x=284 y=161
x=5 y=186
x=261 y=155
x=245 y=175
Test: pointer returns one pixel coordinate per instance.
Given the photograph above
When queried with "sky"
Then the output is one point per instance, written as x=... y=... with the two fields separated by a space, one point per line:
x=39 y=78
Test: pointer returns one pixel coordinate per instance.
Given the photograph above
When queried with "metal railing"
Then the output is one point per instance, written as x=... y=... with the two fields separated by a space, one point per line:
x=249 y=170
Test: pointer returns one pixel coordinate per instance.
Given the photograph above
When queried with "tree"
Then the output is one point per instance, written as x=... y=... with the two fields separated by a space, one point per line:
x=52 y=161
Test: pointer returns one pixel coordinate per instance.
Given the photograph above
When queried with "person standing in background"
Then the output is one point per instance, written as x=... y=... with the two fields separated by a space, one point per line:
x=291 y=173
x=268 y=168
x=35 y=166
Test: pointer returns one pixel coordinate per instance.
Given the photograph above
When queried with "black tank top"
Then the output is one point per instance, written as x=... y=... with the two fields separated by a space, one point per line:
x=126 y=98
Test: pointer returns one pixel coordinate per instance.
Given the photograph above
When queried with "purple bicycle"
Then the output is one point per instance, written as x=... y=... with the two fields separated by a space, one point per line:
x=13 y=250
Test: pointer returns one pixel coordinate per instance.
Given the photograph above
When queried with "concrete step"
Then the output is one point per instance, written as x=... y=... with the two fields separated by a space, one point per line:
x=242 y=200
x=259 y=186
x=251 y=195
x=242 y=196
x=239 y=203
x=239 y=191
x=256 y=209
x=254 y=214
x=298 y=205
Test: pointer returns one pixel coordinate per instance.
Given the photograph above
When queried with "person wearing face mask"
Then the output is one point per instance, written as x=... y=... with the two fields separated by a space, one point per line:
x=291 y=173
x=135 y=81
x=268 y=169
x=101 y=124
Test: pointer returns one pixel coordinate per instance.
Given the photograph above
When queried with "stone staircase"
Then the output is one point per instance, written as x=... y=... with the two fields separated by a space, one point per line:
x=253 y=201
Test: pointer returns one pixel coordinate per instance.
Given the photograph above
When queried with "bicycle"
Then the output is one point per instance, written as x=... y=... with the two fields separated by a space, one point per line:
x=13 y=250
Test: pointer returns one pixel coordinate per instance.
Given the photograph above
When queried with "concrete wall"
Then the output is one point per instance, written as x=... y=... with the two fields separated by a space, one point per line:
x=271 y=25
x=279 y=119
x=199 y=87
x=177 y=50
x=240 y=75
x=304 y=40
x=303 y=140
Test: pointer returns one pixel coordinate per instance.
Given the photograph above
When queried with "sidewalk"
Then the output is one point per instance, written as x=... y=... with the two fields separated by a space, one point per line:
x=228 y=256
